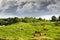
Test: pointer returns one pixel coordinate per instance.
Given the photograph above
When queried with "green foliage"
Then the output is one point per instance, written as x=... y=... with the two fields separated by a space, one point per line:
x=1 y=22
x=9 y=21
x=57 y=38
x=53 y=18
x=40 y=19
x=57 y=23
x=59 y=18
x=29 y=20
x=16 y=19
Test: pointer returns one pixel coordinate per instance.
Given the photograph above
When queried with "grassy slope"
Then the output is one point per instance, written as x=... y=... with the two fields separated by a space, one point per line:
x=28 y=30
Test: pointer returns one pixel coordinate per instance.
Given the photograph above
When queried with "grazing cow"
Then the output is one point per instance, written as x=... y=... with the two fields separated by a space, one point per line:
x=37 y=34
x=43 y=34
x=46 y=29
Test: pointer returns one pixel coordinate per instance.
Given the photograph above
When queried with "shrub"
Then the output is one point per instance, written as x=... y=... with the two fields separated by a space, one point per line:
x=57 y=38
x=57 y=23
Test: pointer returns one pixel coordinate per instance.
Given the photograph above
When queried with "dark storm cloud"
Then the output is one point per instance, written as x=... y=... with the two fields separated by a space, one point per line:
x=30 y=7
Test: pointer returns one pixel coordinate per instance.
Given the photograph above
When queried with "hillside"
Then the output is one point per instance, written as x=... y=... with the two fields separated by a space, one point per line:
x=25 y=31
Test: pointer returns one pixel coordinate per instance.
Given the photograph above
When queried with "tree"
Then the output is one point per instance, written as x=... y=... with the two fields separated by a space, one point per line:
x=16 y=19
x=53 y=18
x=59 y=18
x=13 y=20
x=10 y=20
x=2 y=22
x=34 y=20
x=40 y=19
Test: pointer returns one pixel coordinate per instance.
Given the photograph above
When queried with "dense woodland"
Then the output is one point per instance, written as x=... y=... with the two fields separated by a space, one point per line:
x=8 y=21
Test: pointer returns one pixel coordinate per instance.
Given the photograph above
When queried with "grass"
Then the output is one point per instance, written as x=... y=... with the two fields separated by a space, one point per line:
x=25 y=31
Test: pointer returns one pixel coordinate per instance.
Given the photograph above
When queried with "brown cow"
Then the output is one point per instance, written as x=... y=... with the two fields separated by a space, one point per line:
x=43 y=34
x=46 y=29
x=37 y=33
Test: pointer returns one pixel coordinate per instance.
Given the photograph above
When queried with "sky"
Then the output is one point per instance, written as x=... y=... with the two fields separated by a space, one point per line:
x=29 y=8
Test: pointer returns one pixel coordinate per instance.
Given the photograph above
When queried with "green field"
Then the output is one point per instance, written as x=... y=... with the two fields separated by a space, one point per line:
x=25 y=31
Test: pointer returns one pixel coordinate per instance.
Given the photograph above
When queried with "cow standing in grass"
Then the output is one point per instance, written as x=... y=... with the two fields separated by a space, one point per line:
x=37 y=34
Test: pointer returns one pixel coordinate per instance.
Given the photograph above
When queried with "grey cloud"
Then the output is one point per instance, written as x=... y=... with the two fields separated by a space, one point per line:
x=30 y=7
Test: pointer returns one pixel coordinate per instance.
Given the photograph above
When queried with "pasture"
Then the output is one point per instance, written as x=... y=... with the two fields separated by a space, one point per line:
x=25 y=31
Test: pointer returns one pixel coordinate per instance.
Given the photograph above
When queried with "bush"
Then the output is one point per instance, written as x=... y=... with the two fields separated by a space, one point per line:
x=53 y=18
x=57 y=38
x=57 y=23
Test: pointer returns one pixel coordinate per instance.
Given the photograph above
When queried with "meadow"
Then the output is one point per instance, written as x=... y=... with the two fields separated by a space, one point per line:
x=25 y=31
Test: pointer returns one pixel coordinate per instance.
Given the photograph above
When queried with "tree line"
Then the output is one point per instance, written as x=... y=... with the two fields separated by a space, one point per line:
x=54 y=18
x=8 y=21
